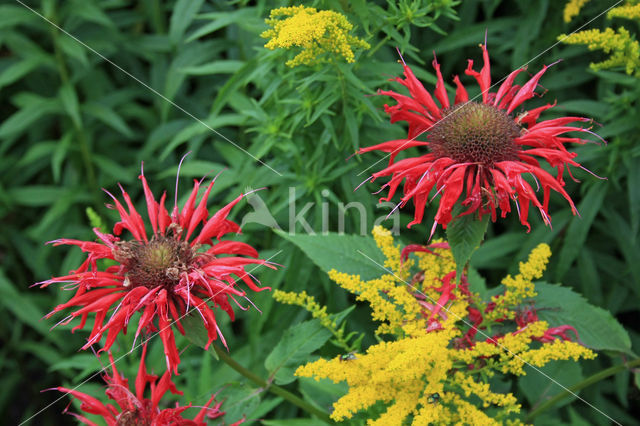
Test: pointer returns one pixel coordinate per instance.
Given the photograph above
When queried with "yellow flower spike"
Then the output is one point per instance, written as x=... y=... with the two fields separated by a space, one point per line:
x=521 y=286
x=623 y=49
x=309 y=304
x=572 y=9
x=316 y=32
x=628 y=11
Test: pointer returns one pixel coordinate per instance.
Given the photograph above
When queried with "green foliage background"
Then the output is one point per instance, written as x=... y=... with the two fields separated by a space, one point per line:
x=73 y=122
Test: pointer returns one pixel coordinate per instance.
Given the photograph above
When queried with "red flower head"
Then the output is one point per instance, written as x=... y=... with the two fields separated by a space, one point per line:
x=480 y=149
x=134 y=408
x=162 y=276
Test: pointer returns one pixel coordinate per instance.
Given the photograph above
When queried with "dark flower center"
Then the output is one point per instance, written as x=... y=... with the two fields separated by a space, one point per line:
x=475 y=133
x=132 y=418
x=161 y=261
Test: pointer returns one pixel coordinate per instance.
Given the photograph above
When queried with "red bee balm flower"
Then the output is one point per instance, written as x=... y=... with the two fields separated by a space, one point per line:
x=480 y=147
x=133 y=408
x=163 y=276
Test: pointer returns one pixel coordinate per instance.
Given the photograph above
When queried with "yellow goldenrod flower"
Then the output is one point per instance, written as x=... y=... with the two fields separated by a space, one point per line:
x=628 y=11
x=316 y=32
x=432 y=370
x=572 y=8
x=623 y=49
x=521 y=286
x=309 y=304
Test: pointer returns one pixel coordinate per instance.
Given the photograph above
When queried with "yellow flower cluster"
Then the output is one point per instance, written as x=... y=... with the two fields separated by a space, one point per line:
x=426 y=377
x=628 y=11
x=520 y=287
x=572 y=9
x=309 y=304
x=624 y=50
x=394 y=304
x=322 y=35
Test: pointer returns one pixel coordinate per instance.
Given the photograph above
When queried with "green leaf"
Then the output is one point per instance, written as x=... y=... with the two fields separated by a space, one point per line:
x=537 y=388
x=229 y=66
x=36 y=195
x=351 y=254
x=21 y=305
x=240 y=400
x=634 y=194
x=464 y=234
x=597 y=328
x=297 y=343
x=196 y=332
x=19 y=69
x=108 y=116
x=31 y=112
x=579 y=228
x=183 y=13
x=69 y=100
x=16 y=15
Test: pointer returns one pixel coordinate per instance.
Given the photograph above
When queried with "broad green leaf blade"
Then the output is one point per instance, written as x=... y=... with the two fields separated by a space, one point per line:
x=351 y=254
x=464 y=234
x=597 y=328
x=537 y=388
x=297 y=343
x=240 y=400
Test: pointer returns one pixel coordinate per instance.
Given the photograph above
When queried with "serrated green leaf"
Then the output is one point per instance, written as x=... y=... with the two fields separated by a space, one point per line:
x=464 y=234
x=597 y=328
x=240 y=401
x=297 y=343
x=351 y=254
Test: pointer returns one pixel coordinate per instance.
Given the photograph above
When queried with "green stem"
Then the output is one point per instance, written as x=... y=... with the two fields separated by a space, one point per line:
x=322 y=415
x=583 y=384
x=378 y=46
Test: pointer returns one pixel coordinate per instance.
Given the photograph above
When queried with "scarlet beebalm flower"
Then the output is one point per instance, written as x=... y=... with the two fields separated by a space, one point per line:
x=134 y=409
x=480 y=147
x=162 y=277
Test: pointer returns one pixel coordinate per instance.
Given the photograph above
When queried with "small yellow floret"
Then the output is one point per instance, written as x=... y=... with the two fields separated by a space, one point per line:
x=316 y=32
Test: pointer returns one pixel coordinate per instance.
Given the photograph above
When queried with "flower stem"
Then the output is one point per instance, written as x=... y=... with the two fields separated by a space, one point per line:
x=299 y=402
x=583 y=384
